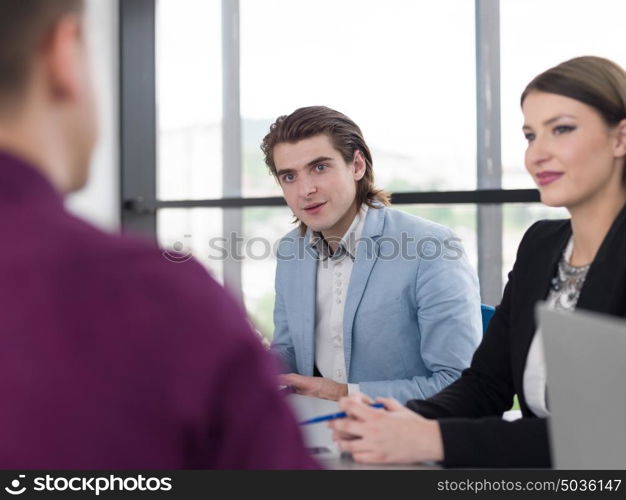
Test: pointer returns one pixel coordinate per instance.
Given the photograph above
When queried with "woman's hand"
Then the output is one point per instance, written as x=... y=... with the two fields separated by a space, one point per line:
x=391 y=435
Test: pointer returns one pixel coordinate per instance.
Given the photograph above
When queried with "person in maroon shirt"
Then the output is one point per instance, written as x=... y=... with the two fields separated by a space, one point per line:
x=111 y=356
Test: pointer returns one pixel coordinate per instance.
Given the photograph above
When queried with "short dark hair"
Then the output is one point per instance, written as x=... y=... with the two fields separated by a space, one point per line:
x=24 y=24
x=345 y=135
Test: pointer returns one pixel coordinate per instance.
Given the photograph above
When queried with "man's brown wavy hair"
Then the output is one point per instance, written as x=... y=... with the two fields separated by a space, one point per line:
x=345 y=135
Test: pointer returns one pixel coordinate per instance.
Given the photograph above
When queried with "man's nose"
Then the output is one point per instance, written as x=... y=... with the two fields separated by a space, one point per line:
x=307 y=187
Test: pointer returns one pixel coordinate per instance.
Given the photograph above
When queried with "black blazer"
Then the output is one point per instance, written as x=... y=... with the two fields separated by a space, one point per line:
x=470 y=409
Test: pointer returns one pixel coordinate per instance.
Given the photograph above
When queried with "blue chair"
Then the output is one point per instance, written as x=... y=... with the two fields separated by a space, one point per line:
x=486 y=312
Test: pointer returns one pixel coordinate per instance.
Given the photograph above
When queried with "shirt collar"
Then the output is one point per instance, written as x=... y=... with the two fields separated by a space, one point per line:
x=348 y=242
x=21 y=182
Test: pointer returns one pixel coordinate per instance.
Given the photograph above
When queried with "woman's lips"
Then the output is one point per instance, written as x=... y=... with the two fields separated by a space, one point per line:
x=313 y=209
x=545 y=178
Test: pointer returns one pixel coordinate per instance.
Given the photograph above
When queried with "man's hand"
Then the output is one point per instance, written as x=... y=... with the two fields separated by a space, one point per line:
x=391 y=435
x=318 y=387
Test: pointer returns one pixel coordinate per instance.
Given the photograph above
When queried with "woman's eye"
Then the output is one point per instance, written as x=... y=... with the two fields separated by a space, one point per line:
x=563 y=129
x=288 y=178
x=529 y=137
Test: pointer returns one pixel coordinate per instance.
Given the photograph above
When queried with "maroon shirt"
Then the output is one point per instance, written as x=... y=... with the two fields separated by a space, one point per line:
x=113 y=357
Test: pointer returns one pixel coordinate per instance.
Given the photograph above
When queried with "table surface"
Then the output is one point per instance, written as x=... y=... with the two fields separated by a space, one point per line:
x=318 y=437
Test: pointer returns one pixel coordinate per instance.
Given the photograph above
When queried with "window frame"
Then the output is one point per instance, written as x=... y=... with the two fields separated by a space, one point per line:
x=138 y=141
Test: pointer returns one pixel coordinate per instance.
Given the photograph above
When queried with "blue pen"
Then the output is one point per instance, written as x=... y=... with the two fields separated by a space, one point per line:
x=333 y=416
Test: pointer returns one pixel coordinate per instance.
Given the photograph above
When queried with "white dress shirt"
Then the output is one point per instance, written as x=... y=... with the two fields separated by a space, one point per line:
x=535 y=377
x=333 y=278
x=564 y=298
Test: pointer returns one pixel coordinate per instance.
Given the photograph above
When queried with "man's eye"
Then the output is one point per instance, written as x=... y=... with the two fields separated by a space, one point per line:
x=320 y=167
x=287 y=177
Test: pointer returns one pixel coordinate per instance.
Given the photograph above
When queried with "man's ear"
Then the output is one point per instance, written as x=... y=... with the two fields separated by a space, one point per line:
x=359 y=165
x=61 y=57
x=619 y=150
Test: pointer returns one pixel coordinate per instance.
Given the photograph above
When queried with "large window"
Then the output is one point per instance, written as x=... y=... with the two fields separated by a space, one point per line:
x=193 y=231
x=538 y=34
x=189 y=99
x=374 y=61
x=418 y=77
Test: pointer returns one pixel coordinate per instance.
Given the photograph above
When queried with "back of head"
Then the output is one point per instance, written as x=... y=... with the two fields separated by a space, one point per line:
x=47 y=104
x=345 y=135
x=24 y=25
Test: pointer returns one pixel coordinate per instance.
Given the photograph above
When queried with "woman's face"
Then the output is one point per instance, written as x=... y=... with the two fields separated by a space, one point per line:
x=572 y=154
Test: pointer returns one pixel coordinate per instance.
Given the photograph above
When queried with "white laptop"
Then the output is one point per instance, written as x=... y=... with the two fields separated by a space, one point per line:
x=586 y=377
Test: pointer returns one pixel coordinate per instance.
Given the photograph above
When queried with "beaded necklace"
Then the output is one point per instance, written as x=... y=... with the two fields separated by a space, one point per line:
x=568 y=282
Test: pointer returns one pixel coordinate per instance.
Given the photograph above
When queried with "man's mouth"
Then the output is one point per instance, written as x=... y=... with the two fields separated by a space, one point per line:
x=314 y=208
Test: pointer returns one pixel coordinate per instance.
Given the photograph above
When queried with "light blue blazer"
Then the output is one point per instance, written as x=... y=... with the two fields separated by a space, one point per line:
x=412 y=313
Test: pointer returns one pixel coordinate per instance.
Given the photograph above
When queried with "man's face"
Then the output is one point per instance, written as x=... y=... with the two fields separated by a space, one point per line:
x=318 y=185
x=68 y=96
x=83 y=118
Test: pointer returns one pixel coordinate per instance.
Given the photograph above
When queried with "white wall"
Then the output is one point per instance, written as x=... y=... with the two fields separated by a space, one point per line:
x=99 y=201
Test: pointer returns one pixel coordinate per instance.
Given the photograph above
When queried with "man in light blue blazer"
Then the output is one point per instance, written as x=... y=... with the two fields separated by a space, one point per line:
x=368 y=299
